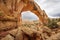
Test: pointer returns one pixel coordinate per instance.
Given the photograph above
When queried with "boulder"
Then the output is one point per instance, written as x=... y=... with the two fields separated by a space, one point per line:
x=54 y=37
x=13 y=32
x=8 y=37
x=58 y=23
x=19 y=35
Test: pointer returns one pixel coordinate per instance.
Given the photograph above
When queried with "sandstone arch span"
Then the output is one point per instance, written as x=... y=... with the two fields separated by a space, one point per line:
x=33 y=7
x=12 y=10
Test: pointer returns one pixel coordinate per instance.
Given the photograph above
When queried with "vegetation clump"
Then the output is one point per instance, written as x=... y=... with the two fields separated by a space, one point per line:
x=52 y=23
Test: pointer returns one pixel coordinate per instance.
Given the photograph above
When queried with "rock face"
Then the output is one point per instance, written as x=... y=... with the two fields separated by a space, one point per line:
x=6 y=25
x=10 y=12
x=19 y=35
x=10 y=19
x=8 y=37
x=55 y=37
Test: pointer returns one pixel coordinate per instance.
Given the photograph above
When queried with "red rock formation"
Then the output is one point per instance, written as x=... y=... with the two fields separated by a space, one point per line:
x=10 y=12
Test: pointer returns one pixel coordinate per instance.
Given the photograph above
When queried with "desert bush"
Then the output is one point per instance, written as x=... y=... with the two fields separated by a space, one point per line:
x=52 y=23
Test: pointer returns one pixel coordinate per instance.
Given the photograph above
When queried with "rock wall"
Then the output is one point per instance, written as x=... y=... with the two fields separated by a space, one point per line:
x=10 y=18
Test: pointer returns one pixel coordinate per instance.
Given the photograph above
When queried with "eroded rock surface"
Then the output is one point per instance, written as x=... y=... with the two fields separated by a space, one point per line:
x=8 y=37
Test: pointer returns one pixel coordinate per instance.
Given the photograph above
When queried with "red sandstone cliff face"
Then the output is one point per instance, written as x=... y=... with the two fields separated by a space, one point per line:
x=10 y=13
x=10 y=19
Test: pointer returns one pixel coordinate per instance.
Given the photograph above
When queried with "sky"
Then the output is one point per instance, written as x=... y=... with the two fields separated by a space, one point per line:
x=51 y=7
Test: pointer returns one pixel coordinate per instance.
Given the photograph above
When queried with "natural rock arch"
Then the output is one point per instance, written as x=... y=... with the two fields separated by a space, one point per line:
x=33 y=7
x=12 y=10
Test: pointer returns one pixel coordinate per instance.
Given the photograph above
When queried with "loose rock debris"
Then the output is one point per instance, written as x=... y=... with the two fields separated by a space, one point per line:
x=26 y=33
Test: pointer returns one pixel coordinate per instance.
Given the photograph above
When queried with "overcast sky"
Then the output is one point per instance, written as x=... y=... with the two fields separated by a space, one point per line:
x=52 y=8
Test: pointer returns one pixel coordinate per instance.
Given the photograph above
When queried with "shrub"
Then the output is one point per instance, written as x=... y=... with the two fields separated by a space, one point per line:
x=52 y=24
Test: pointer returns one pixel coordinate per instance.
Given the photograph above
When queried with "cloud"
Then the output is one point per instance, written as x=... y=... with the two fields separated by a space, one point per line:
x=52 y=7
x=29 y=15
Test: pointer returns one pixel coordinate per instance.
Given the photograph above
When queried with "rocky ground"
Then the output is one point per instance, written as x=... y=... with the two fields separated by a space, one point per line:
x=30 y=31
